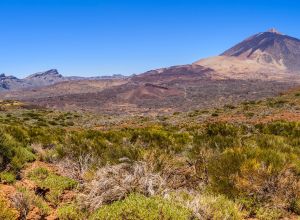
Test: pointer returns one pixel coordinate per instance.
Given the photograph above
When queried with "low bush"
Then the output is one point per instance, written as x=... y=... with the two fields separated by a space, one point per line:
x=269 y=214
x=281 y=128
x=295 y=206
x=55 y=183
x=206 y=206
x=137 y=206
x=258 y=175
x=7 y=177
x=6 y=212
x=70 y=212
x=25 y=200
x=112 y=183
x=13 y=154
x=219 y=208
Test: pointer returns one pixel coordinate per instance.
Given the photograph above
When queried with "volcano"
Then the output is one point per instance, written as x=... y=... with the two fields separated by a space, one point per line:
x=270 y=47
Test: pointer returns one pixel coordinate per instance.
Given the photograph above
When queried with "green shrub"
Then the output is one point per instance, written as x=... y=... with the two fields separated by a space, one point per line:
x=13 y=148
x=224 y=169
x=269 y=214
x=6 y=212
x=137 y=206
x=228 y=106
x=222 y=142
x=112 y=145
x=54 y=123
x=55 y=183
x=219 y=208
x=276 y=103
x=208 y=206
x=281 y=128
x=221 y=169
x=249 y=114
x=69 y=212
x=215 y=114
x=21 y=157
x=256 y=175
x=295 y=206
x=7 y=177
x=223 y=129
x=18 y=133
x=6 y=151
x=70 y=123
x=32 y=200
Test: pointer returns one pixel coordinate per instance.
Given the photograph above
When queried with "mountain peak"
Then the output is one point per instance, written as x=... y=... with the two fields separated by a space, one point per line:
x=48 y=73
x=274 y=31
x=48 y=77
x=281 y=51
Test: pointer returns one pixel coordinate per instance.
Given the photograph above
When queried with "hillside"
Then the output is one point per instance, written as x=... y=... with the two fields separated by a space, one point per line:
x=216 y=139
x=239 y=161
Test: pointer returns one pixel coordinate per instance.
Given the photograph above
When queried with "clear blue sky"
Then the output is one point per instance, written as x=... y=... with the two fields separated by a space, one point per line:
x=99 y=37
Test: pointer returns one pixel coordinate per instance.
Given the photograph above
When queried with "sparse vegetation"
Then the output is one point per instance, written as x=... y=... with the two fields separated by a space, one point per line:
x=6 y=211
x=24 y=200
x=7 y=177
x=70 y=212
x=238 y=165
x=54 y=183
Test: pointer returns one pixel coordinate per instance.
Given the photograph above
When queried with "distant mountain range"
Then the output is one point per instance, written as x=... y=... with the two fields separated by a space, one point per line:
x=41 y=79
x=260 y=66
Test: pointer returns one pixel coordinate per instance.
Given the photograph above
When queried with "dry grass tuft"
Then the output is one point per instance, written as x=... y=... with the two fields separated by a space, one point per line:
x=22 y=204
x=205 y=206
x=77 y=169
x=112 y=183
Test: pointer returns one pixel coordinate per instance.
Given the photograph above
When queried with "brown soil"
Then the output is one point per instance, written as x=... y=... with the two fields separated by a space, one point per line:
x=9 y=191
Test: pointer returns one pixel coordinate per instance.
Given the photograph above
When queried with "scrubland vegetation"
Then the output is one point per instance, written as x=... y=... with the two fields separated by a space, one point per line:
x=238 y=162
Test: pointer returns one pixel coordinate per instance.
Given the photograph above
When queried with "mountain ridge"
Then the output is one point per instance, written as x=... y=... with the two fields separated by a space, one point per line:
x=42 y=79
